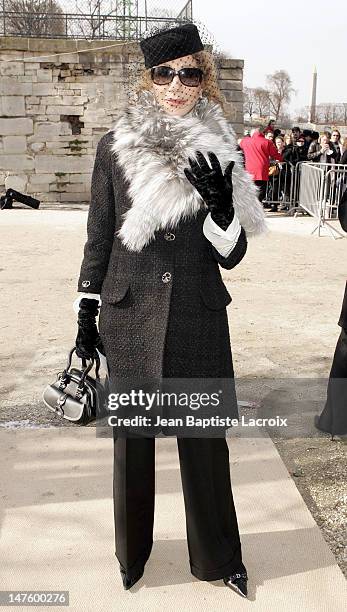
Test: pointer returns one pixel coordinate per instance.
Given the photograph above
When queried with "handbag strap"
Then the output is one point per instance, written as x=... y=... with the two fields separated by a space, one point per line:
x=86 y=368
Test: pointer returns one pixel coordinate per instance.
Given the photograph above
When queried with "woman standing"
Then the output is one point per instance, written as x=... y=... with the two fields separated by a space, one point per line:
x=333 y=418
x=322 y=151
x=170 y=201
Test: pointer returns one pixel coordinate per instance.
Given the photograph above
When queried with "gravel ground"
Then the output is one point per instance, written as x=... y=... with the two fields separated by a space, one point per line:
x=287 y=296
x=318 y=467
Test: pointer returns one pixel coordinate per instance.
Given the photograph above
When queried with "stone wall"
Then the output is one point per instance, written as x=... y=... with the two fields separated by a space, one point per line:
x=54 y=110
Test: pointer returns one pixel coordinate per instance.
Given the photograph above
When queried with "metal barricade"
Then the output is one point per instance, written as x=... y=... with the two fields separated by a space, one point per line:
x=318 y=189
x=279 y=189
x=295 y=207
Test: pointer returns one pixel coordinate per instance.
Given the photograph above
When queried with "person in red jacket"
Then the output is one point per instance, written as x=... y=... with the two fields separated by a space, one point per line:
x=258 y=151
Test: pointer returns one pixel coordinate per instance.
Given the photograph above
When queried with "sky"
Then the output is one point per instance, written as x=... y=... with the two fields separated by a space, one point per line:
x=293 y=35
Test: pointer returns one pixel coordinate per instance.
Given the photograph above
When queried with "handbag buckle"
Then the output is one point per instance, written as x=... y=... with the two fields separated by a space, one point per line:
x=63 y=380
x=79 y=392
x=60 y=403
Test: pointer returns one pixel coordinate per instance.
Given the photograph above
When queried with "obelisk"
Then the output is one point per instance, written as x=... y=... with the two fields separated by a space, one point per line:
x=314 y=97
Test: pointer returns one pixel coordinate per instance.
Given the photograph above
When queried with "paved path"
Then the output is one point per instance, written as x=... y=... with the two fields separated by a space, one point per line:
x=57 y=530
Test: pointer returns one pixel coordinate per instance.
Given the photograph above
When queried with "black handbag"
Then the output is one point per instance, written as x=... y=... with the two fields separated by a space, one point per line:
x=76 y=396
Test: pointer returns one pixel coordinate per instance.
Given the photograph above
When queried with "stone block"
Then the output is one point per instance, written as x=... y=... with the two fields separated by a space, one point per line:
x=12 y=87
x=44 y=89
x=33 y=99
x=65 y=100
x=38 y=179
x=11 y=68
x=75 y=197
x=50 y=100
x=68 y=58
x=231 y=73
x=33 y=109
x=16 y=162
x=67 y=110
x=239 y=116
x=80 y=178
x=31 y=66
x=44 y=75
x=20 y=126
x=238 y=106
x=38 y=188
x=16 y=181
x=11 y=55
x=28 y=55
x=15 y=144
x=87 y=57
x=37 y=146
x=233 y=96
x=56 y=144
x=27 y=79
x=63 y=163
x=233 y=85
x=48 y=130
x=232 y=63
x=75 y=188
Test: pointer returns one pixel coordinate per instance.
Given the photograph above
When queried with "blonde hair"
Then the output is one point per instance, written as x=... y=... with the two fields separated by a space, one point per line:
x=205 y=61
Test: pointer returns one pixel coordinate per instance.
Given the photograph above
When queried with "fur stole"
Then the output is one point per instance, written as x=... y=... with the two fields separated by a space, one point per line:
x=153 y=148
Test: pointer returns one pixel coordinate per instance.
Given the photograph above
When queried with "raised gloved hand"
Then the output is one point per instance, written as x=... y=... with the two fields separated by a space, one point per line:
x=215 y=188
x=88 y=339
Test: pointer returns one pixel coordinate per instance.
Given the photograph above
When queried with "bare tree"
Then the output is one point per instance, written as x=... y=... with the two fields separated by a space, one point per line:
x=302 y=115
x=161 y=12
x=34 y=18
x=329 y=112
x=248 y=102
x=324 y=113
x=344 y=113
x=280 y=90
x=94 y=21
x=156 y=12
x=262 y=101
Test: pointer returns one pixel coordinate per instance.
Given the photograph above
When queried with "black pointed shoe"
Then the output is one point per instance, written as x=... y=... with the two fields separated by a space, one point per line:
x=127 y=582
x=237 y=582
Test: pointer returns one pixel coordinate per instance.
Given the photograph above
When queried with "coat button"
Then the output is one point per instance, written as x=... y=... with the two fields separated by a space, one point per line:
x=169 y=236
x=86 y=283
x=166 y=277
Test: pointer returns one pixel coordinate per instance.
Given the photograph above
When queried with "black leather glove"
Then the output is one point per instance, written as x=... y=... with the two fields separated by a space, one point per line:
x=215 y=188
x=88 y=339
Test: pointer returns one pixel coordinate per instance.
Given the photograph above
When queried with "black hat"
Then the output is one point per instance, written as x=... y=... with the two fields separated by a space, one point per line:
x=171 y=43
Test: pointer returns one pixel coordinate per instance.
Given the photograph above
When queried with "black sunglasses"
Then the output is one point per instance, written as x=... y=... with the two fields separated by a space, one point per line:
x=164 y=75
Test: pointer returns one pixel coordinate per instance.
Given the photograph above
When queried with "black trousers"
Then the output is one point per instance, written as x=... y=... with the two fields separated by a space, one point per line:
x=333 y=418
x=262 y=185
x=211 y=524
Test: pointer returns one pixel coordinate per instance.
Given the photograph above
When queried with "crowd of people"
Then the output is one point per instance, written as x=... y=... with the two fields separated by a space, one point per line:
x=270 y=156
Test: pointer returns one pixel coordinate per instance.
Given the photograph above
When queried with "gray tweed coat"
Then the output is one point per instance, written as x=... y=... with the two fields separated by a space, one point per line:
x=163 y=311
